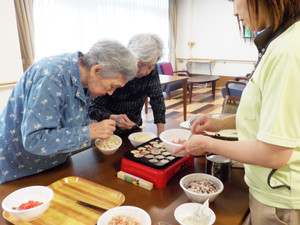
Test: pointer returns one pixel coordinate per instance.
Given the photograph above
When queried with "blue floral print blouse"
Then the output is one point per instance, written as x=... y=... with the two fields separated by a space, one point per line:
x=45 y=118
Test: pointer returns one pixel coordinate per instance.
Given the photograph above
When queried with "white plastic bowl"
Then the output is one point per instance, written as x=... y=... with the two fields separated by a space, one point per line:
x=169 y=136
x=139 y=214
x=23 y=195
x=187 y=209
x=199 y=197
x=142 y=135
x=109 y=151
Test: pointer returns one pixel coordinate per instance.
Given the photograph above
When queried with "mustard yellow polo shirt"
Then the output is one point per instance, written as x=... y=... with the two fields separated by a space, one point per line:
x=270 y=112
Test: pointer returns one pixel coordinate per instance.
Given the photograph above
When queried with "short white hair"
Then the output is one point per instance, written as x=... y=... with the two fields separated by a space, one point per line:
x=146 y=47
x=113 y=57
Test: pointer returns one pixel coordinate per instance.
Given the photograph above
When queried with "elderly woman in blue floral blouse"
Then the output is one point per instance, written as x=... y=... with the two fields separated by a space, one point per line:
x=46 y=115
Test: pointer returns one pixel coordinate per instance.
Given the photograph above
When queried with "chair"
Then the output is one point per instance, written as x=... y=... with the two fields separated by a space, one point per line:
x=232 y=92
x=159 y=67
x=235 y=87
x=165 y=68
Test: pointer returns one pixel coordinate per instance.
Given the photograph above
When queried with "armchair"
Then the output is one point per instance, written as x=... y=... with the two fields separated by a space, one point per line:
x=165 y=68
x=232 y=92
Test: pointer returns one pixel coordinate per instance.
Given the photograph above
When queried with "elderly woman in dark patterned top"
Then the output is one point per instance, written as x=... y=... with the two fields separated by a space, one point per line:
x=126 y=103
x=46 y=117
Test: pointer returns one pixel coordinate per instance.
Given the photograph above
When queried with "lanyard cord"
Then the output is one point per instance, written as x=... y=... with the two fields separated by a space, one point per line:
x=278 y=186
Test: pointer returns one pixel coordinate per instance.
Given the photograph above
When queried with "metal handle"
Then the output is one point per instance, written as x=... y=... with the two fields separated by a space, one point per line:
x=91 y=206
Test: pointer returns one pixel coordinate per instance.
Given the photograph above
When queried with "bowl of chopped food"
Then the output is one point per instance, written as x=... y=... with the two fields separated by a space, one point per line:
x=29 y=203
x=185 y=213
x=109 y=146
x=125 y=215
x=139 y=138
x=174 y=138
x=199 y=187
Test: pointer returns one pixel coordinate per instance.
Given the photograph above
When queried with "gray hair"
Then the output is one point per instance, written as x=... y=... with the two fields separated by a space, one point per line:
x=113 y=57
x=146 y=47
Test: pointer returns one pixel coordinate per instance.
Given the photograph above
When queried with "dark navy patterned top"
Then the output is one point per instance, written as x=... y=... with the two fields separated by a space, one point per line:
x=130 y=100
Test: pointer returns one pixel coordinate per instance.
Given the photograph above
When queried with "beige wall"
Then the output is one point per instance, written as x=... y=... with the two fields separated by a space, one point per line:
x=10 y=56
x=210 y=24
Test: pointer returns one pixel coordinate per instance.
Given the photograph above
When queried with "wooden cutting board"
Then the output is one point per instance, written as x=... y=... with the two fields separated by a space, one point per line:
x=63 y=208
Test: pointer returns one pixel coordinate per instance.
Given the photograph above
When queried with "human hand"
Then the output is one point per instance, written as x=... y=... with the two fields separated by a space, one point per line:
x=103 y=129
x=195 y=145
x=206 y=123
x=123 y=121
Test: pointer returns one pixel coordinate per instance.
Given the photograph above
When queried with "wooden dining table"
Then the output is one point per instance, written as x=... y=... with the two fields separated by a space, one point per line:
x=230 y=206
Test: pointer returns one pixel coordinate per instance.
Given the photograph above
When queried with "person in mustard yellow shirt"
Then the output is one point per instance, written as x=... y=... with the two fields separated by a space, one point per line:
x=268 y=117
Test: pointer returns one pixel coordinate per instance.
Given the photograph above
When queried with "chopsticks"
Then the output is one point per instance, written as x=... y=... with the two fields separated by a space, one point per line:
x=95 y=207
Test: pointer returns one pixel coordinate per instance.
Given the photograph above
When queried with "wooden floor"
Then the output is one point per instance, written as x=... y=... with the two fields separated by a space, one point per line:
x=202 y=103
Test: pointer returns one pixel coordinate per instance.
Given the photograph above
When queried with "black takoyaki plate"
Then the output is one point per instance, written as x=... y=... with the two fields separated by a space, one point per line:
x=151 y=153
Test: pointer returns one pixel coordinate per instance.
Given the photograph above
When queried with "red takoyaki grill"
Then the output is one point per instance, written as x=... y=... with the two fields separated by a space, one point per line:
x=151 y=161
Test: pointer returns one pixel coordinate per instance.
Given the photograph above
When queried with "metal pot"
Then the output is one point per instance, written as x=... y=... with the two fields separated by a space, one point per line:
x=218 y=166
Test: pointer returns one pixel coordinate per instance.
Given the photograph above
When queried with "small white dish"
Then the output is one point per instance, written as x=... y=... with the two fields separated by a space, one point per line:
x=230 y=133
x=187 y=209
x=199 y=197
x=131 y=211
x=213 y=115
x=109 y=146
x=185 y=125
x=169 y=137
x=32 y=193
x=139 y=138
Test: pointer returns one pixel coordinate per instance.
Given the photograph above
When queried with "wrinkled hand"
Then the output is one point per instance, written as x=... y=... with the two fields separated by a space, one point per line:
x=196 y=145
x=103 y=129
x=123 y=121
x=205 y=123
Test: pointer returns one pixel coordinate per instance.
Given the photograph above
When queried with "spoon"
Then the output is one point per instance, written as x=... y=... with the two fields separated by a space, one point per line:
x=199 y=216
